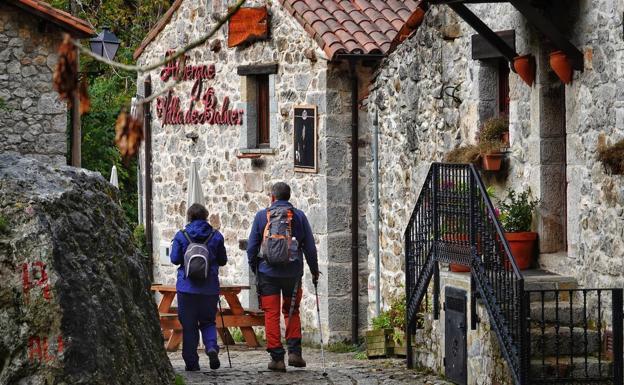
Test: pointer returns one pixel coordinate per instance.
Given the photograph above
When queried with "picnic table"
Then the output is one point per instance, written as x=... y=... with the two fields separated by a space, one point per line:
x=233 y=316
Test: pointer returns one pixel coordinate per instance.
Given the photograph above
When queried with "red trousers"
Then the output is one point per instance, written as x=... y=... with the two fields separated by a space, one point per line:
x=275 y=297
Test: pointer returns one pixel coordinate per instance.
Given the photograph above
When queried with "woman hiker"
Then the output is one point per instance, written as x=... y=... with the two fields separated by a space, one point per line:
x=197 y=285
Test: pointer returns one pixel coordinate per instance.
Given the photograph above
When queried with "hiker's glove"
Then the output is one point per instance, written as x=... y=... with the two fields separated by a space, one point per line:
x=315 y=277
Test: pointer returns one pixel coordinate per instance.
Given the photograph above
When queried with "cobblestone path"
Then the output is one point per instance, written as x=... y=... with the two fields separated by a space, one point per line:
x=249 y=366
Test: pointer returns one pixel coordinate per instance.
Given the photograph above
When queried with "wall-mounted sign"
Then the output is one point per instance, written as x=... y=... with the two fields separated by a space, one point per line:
x=248 y=25
x=305 y=139
x=170 y=111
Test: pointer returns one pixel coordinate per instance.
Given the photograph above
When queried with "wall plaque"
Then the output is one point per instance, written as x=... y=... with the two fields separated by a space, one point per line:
x=305 y=138
x=248 y=25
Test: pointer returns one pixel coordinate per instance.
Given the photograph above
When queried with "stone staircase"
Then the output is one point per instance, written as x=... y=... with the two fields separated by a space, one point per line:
x=566 y=341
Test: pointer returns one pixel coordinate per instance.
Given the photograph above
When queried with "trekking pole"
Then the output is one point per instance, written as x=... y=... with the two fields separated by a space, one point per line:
x=227 y=348
x=318 y=317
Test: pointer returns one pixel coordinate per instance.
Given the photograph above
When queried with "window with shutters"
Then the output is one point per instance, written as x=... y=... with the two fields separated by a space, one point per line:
x=259 y=131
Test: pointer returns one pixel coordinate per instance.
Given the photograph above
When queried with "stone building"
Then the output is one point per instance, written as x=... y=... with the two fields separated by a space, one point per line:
x=239 y=161
x=33 y=120
x=431 y=95
x=429 y=83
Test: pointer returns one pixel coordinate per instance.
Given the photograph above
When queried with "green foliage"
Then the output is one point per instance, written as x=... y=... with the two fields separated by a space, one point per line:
x=394 y=317
x=109 y=89
x=493 y=129
x=139 y=238
x=237 y=335
x=360 y=356
x=342 y=347
x=2 y=104
x=516 y=212
x=4 y=225
x=179 y=380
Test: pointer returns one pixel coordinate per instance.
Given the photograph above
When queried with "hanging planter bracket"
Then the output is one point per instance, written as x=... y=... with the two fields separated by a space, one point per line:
x=549 y=30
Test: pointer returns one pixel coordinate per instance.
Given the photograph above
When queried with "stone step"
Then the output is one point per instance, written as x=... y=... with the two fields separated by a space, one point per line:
x=546 y=344
x=545 y=280
x=552 y=312
x=546 y=372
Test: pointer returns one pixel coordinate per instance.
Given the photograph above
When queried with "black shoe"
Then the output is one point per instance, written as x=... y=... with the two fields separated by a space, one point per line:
x=213 y=357
x=194 y=368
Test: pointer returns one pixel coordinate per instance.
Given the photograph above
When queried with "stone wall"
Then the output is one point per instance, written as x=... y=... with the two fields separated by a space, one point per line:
x=236 y=188
x=581 y=212
x=32 y=118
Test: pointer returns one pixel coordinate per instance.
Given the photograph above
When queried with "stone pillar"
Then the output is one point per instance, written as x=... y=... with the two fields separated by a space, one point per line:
x=549 y=118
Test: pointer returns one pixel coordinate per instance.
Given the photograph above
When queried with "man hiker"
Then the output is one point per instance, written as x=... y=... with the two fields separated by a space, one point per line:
x=199 y=250
x=279 y=236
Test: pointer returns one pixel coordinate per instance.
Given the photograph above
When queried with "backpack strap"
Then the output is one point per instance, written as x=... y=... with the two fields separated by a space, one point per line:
x=266 y=227
x=186 y=236
x=210 y=236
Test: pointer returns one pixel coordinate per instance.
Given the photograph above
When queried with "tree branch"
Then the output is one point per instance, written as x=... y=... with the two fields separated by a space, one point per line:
x=177 y=54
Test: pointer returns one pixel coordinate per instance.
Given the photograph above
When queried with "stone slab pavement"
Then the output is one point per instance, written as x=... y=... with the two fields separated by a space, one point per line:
x=249 y=366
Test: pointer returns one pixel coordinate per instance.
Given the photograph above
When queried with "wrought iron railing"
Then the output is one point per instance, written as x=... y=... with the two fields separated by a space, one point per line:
x=454 y=221
x=567 y=340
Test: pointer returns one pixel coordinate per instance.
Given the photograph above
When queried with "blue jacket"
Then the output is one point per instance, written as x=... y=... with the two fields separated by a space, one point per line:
x=301 y=231
x=199 y=231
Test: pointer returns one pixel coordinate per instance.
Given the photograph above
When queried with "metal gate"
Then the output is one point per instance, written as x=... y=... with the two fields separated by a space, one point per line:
x=455 y=363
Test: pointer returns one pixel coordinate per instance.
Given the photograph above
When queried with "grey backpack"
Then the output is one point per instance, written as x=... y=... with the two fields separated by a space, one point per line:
x=279 y=248
x=197 y=258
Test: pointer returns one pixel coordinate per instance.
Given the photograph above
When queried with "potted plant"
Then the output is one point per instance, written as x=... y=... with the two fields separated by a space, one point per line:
x=495 y=129
x=612 y=157
x=387 y=337
x=524 y=66
x=516 y=216
x=491 y=155
x=463 y=154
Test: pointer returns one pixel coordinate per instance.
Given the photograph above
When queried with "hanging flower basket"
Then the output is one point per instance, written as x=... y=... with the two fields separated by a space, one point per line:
x=525 y=68
x=562 y=66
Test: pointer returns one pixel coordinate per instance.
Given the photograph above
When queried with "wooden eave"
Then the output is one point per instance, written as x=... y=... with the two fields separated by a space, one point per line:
x=531 y=13
x=65 y=21
x=160 y=25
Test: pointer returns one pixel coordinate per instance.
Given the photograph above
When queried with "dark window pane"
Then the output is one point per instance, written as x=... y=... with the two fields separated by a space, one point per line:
x=263 y=110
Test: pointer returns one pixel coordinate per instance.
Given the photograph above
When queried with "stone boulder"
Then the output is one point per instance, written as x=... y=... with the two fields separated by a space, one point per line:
x=75 y=303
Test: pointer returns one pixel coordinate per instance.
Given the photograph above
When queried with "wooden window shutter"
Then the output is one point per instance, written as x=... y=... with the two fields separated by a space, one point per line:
x=264 y=138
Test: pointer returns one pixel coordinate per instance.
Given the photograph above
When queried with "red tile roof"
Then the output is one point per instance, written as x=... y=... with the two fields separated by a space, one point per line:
x=357 y=26
x=340 y=26
x=71 y=24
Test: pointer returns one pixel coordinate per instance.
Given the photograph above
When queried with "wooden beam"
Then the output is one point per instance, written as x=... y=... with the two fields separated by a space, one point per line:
x=259 y=69
x=546 y=26
x=508 y=52
x=482 y=49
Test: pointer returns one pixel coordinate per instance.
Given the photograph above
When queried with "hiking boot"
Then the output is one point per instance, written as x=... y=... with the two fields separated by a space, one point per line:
x=277 y=366
x=193 y=368
x=295 y=359
x=213 y=357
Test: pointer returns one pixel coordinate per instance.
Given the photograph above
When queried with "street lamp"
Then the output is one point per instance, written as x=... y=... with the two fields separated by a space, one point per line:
x=105 y=44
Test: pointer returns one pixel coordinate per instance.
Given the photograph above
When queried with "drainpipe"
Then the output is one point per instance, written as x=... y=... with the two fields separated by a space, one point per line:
x=355 y=225
x=147 y=127
x=376 y=214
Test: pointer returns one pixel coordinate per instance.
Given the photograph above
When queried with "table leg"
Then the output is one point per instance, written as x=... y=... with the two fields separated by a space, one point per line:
x=174 y=341
x=237 y=309
x=226 y=336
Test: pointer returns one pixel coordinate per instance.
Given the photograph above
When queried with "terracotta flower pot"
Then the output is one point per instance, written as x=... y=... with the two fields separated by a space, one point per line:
x=561 y=65
x=525 y=68
x=492 y=162
x=522 y=247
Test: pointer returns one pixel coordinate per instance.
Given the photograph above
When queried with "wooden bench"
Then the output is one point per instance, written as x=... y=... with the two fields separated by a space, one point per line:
x=233 y=316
